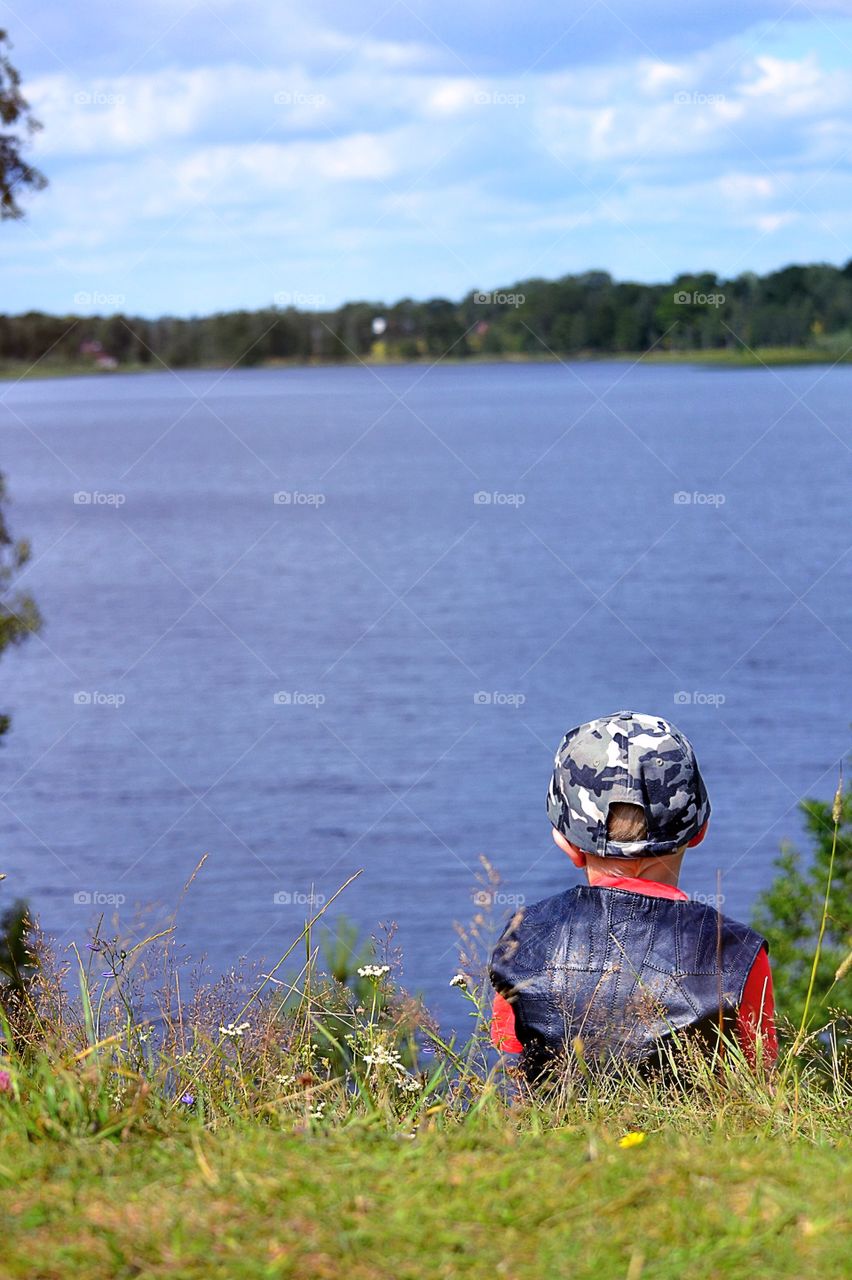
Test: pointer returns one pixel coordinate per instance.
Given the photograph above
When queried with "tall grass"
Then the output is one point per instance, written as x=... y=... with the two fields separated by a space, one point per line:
x=116 y=1042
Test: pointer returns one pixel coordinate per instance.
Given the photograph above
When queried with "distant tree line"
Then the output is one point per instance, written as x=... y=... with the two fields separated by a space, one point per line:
x=799 y=306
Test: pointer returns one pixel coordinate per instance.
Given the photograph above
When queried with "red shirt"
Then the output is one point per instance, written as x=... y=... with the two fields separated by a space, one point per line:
x=755 y=1016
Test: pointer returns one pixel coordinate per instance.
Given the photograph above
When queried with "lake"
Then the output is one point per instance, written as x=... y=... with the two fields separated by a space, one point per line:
x=310 y=621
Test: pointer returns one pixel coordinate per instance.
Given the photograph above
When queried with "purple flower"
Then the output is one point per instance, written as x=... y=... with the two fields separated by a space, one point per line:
x=188 y=1099
x=5 y=1082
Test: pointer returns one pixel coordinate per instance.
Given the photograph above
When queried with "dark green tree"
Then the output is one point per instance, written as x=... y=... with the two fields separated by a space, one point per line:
x=790 y=911
x=19 y=615
x=16 y=173
x=17 y=963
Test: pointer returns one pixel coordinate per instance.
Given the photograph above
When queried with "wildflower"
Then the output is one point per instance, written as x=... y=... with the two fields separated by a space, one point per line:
x=382 y=1057
x=373 y=970
x=188 y=1100
x=317 y=1113
x=5 y=1082
x=459 y=981
x=410 y=1085
x=633 y=1139
x=235 y=1032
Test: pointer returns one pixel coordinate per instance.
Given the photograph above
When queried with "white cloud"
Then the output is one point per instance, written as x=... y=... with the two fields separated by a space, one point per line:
x=281 y=158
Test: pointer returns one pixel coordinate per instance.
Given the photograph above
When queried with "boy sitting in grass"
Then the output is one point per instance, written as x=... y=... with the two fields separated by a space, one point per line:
x=616 y=970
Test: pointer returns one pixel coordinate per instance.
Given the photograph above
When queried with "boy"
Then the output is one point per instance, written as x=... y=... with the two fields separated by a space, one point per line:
x=613 y=968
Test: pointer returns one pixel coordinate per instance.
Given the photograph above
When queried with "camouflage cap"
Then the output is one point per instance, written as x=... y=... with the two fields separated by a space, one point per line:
x=633 y=759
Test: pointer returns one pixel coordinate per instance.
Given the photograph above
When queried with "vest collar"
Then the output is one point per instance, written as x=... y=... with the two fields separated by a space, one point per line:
x=651 y=888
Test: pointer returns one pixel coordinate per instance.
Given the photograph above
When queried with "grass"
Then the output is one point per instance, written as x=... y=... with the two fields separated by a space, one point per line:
x=715 y=357
x=478 y=1201
x=311 y=1121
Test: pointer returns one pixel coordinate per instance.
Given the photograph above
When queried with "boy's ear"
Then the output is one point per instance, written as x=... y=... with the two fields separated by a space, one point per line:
x=696 y=839
x=576 y=855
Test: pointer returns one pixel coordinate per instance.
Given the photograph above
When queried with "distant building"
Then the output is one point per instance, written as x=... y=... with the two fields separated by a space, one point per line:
x=94 y=350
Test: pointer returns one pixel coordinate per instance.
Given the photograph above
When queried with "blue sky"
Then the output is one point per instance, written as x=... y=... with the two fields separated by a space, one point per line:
x=226 y=153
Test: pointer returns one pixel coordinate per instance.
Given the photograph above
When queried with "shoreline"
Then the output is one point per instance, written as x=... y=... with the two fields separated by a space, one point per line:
x=720 y=358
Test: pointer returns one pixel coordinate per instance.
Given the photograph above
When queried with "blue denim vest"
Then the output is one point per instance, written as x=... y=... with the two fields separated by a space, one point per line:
x=619 y=972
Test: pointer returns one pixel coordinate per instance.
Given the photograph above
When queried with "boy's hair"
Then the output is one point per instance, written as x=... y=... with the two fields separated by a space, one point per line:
x=626 y=822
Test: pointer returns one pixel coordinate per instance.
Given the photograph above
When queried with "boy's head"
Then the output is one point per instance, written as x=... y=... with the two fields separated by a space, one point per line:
x=627 y=788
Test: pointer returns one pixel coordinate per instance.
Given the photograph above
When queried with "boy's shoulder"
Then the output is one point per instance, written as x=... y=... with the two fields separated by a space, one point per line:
x=546 y=911
x=559 y=906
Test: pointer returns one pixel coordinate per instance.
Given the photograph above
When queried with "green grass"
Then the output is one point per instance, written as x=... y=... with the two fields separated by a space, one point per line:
x=311 y=1122
x=715 y=357
x=477 y=1201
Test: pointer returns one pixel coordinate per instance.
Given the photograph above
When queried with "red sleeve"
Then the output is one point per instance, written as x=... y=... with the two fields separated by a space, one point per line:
x=756 y=1014
x=503 y=1027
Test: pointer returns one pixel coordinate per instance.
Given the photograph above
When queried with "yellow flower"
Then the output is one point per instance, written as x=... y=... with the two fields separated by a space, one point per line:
x=632 y=1139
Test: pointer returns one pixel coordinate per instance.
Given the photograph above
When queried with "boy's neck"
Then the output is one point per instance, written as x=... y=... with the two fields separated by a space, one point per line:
x=665 y=870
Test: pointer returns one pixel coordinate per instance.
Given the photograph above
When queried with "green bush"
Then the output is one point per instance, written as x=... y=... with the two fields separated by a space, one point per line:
x=790 y=915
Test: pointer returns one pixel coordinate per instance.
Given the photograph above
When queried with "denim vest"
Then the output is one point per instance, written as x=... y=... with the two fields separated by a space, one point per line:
x=619 y=972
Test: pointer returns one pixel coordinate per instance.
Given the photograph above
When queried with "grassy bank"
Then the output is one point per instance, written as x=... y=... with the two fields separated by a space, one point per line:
x=320 y=1126
x=723 y=358
x=478 y=1201
x=311 y=1120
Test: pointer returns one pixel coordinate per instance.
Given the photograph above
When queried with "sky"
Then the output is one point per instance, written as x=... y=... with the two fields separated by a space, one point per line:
x=217 y=154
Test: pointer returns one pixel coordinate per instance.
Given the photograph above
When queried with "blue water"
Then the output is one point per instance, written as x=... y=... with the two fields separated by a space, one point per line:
x=382 y=598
